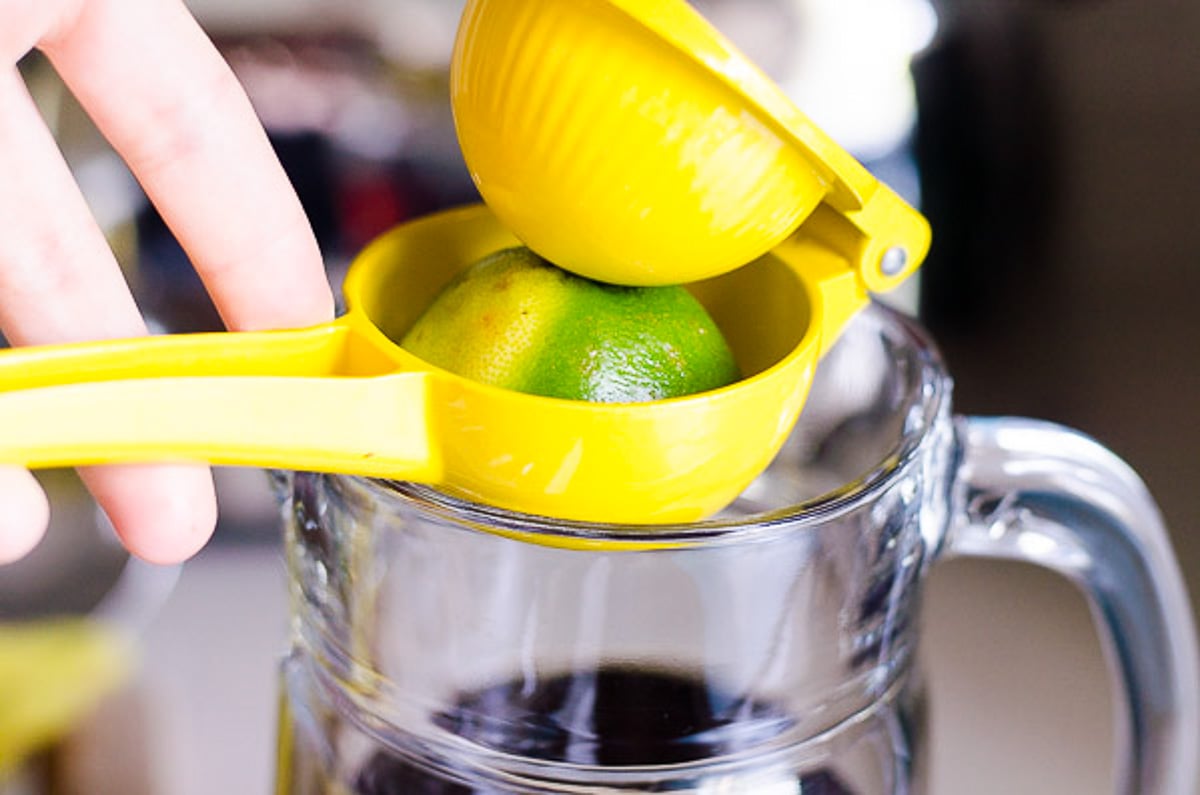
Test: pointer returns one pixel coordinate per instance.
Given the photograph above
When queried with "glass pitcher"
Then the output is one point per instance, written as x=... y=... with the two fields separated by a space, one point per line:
x=441 y=647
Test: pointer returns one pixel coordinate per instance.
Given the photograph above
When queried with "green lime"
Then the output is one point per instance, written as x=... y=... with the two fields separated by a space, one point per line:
x=517 y=321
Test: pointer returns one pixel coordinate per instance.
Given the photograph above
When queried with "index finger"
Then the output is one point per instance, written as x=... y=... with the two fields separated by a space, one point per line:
x=161 y=93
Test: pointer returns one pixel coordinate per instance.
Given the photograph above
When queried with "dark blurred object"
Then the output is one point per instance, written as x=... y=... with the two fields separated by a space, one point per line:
x=987 y=150
x=1060 y=167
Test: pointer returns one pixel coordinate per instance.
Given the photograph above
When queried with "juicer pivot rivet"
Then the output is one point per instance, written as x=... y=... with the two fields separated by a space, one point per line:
x=893 y=261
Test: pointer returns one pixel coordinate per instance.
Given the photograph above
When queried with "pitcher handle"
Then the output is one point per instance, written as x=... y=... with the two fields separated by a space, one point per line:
x=1037 y=492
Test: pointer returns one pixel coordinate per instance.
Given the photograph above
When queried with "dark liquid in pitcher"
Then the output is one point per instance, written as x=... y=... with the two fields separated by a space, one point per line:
x=609 y=717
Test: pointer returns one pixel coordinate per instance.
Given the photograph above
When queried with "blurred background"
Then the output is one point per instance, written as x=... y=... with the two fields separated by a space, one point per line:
x=1052 y=144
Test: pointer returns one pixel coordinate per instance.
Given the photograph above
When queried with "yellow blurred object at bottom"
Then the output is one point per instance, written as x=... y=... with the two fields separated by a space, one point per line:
x=53 y=673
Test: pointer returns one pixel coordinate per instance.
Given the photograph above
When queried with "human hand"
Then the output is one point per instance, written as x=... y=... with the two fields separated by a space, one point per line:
x=161 y=94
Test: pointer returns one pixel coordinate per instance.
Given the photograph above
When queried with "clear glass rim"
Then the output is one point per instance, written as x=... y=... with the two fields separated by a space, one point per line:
x=930 y=382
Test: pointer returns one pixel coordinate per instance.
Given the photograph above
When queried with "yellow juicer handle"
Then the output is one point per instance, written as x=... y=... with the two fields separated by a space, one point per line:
x=306 y=399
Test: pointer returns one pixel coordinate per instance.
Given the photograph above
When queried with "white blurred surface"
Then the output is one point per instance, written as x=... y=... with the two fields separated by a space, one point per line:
x=209 y=673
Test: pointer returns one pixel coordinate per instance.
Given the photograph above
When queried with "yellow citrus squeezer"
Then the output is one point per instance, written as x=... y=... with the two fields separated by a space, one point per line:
x=342 y=397
x=670 y=200
x=628 y=141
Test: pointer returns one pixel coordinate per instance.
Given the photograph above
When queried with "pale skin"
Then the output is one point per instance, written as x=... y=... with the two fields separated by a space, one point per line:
x=162 y=95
